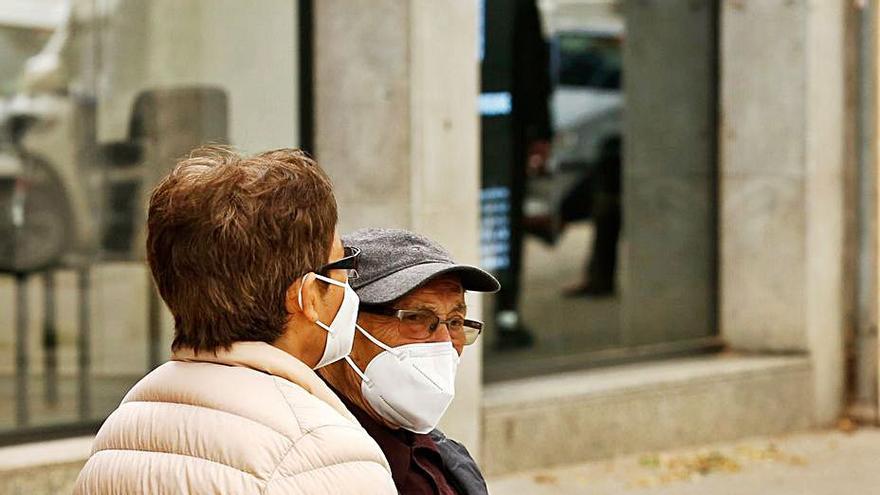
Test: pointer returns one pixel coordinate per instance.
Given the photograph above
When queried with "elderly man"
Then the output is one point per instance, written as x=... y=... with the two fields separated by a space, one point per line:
x=400 y=376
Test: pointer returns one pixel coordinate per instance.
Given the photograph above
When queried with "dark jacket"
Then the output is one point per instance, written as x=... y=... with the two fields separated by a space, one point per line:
x=460 y=466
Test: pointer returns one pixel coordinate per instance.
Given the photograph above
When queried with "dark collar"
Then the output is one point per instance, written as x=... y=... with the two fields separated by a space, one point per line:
x=397 y=444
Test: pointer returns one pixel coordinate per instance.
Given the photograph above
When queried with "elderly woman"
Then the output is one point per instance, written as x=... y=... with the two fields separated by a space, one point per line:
x=245 y=254
x=399 y=378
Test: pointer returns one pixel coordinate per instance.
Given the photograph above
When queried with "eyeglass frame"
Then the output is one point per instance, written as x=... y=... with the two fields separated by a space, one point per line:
x=349 y=262
x=398 y=314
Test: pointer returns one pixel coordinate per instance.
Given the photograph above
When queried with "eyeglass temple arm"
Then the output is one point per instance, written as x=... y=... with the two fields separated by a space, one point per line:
x=473 y=324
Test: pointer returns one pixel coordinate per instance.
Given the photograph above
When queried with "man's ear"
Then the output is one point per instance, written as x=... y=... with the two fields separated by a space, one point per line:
x=310 y=297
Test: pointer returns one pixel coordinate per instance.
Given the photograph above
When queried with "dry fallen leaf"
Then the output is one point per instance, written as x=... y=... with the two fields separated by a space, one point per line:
x=546 y=479
x=847 y=425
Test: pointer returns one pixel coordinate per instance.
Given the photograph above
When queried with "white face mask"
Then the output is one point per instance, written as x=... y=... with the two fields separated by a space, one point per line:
x=410 y=385
x=340 y=333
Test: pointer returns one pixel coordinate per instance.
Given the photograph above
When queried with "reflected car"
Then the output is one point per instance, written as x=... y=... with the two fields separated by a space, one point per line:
x=587 y=108
x=587 y=101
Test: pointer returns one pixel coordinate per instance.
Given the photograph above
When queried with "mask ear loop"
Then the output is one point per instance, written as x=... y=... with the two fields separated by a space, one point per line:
x=358 y=371
x=325 y=327
x=330 y=280
x=299 y=296
x=375 y=341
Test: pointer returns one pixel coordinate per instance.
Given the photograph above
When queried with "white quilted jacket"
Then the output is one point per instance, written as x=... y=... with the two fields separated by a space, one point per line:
x=251 y=420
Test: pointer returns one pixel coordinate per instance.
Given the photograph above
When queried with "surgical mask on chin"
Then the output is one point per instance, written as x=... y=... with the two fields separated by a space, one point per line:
x=410 y=385
x=340 y=332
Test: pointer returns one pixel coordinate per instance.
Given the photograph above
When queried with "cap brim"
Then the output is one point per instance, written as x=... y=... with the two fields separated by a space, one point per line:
x=399 y=283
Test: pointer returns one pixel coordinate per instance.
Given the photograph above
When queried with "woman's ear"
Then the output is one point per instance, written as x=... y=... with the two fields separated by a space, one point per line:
x=301 y=297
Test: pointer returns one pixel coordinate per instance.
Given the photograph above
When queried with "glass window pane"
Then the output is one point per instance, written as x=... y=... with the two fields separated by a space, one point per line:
x=598 y=198
x=97 y=101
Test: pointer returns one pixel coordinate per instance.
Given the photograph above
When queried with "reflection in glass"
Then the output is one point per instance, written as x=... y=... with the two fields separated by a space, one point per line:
x=98 y=99
x=615 y=258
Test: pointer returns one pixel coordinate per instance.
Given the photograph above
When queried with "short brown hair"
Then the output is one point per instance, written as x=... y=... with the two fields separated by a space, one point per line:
x=227 y=235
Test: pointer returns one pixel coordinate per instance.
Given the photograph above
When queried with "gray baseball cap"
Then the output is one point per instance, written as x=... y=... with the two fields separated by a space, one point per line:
x=393 y=262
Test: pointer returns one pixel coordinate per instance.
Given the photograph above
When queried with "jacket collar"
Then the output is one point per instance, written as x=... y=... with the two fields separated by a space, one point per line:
x=271 y=360
x=398 y=445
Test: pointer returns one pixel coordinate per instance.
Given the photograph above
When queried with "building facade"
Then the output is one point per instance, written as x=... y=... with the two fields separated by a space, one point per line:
x=747 y=271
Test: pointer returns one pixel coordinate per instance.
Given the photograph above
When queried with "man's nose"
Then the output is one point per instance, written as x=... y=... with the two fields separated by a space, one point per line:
x=444 y=336
x=441 y=333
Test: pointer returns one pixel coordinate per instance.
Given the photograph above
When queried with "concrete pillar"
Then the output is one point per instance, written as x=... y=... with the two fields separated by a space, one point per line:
x=396 y=128
x=668 y=286
x=861 y=206
x=872 y=47
x=782 y=134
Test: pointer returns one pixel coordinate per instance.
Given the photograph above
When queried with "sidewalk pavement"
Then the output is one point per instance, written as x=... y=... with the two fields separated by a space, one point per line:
x=830 y=462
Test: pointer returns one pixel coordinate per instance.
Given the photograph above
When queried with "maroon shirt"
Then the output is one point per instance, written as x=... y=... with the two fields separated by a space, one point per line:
x=416 y=465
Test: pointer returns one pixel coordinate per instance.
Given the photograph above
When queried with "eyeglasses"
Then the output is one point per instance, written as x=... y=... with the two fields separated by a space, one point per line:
x=349 y=263
x=421 y=324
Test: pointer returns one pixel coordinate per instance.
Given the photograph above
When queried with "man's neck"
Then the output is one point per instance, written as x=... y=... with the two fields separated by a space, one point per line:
x=347 y=385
